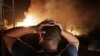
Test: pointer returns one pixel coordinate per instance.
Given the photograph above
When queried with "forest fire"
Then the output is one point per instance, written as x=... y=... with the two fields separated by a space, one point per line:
x=29 y=20
x=74 y=32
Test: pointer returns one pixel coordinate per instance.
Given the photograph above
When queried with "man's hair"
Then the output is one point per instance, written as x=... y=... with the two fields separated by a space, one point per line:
x=51 y=33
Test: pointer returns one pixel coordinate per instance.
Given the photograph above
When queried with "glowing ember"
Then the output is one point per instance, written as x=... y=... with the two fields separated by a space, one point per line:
x=30 y=20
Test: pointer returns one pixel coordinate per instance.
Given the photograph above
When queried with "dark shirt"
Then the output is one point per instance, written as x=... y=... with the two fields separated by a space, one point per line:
x=20 y=49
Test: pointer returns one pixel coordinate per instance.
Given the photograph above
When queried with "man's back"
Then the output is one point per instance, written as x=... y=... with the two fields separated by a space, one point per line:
x=20 y=48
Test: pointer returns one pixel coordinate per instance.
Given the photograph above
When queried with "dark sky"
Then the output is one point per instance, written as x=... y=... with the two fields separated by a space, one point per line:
x=78 y=15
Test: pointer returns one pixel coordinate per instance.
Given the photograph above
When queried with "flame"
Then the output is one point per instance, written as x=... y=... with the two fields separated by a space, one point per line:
x=74 y=32
x=6 y=25
x=29 y=20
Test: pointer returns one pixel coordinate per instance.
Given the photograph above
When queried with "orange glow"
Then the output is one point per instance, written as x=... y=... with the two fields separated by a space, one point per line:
x=6 y=26
x=29 y=20
x=74 y=32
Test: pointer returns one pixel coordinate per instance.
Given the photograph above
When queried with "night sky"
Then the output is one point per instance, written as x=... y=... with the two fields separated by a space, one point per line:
x=79 y=15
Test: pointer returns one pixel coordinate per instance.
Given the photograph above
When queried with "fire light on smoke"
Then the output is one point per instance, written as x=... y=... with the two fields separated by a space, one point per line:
x=29 y=20
x=74 y=32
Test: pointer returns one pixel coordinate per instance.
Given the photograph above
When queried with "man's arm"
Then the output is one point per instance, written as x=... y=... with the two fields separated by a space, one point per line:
x=18 y=31
x=11 y=35
x=70 y=38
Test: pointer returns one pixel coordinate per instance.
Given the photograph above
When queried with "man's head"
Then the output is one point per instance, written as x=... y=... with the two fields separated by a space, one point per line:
x=51 y=37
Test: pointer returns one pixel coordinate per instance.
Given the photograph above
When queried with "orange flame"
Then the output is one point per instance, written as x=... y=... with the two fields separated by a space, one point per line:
x=29 y=20
x=74 y=32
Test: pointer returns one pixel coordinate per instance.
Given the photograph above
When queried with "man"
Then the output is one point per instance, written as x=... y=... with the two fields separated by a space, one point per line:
x=57 y=35
x=45 y=40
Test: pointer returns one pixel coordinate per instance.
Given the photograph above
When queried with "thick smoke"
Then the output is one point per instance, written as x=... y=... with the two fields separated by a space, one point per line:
x=78 y=15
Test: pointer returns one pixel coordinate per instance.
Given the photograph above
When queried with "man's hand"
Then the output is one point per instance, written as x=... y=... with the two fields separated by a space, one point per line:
x=48 y=22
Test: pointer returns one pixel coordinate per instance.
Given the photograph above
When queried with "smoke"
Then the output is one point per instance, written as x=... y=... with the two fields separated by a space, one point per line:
x=77 y=15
